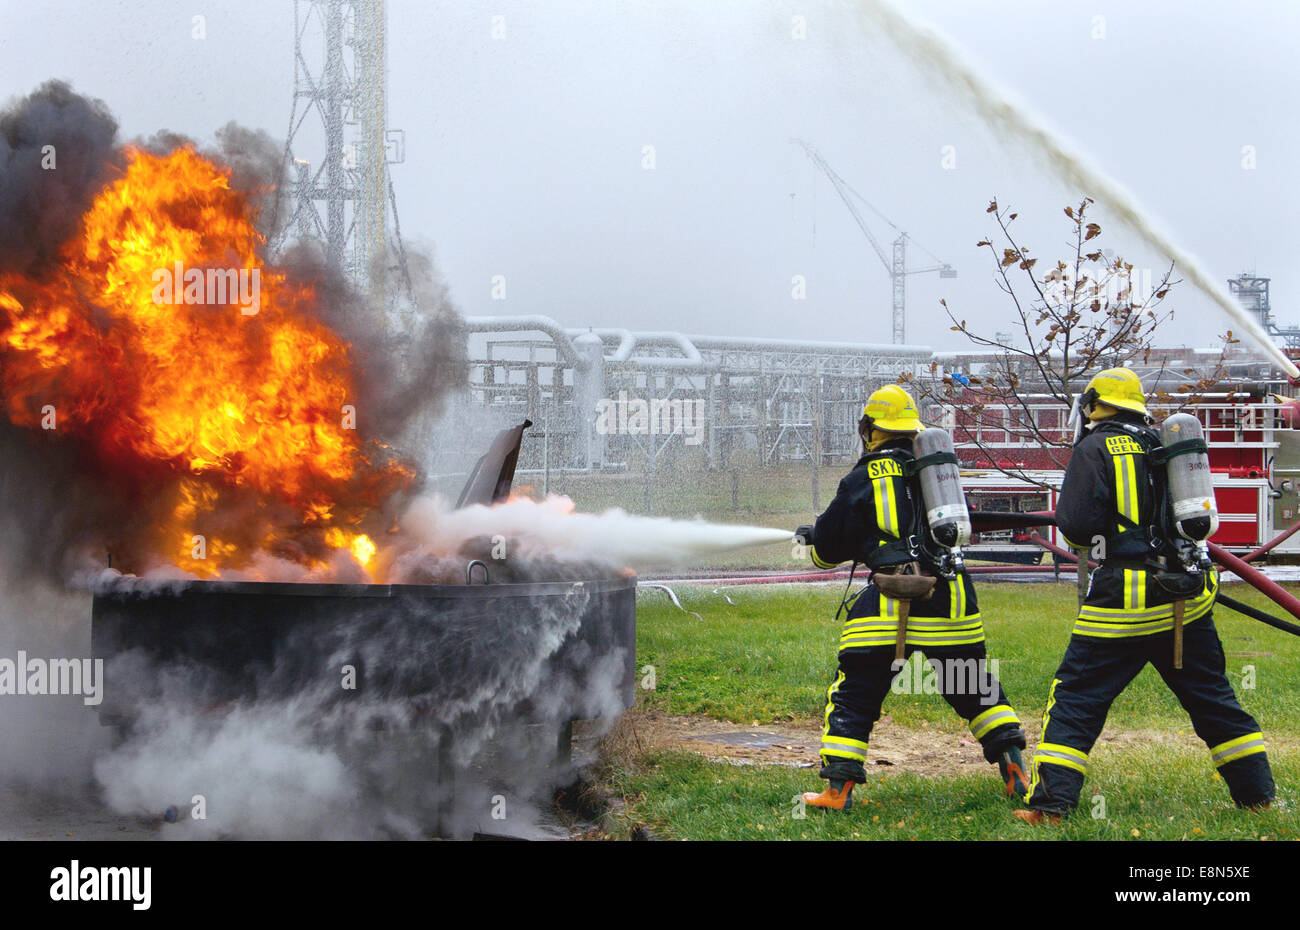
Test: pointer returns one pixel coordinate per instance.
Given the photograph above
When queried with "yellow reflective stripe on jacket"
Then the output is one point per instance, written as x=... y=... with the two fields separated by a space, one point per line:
x=1059 y=754
x=1126 y=489
x=1135 y=589
x=957 y=597
x=817 y=559
x=1120 y=622
x=913 y=639
x=886 y=505
x=1237 y=748
x=914 y=623
x=921 y=631
x=882 y=629
x=1121 y=629
x=991 y=719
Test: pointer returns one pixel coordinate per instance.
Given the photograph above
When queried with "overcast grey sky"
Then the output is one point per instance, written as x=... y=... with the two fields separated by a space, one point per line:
x=524 y=155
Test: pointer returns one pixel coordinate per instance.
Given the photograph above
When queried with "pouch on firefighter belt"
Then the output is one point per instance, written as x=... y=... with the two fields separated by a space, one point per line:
x=904 y=587
x=1180 y=586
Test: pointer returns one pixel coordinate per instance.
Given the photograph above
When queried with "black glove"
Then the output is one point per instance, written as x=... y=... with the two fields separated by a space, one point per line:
x=804 y=534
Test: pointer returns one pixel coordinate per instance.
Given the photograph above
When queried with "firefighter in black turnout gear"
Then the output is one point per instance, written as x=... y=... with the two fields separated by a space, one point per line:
x=1113 y=501
x=877 y=518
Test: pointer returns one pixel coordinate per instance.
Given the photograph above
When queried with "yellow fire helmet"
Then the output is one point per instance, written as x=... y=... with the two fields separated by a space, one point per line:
x=892 y=409
x=1120 y=388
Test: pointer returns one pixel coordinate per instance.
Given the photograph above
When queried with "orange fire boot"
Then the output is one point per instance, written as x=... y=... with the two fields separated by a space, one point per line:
x=835 y=799
x=1038 y=818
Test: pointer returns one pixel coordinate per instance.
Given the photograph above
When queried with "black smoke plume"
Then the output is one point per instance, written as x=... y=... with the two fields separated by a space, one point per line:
x=65 y=511
x=41 y=201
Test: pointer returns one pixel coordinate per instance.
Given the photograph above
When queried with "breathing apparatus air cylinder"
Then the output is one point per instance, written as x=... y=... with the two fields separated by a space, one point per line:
x=941 y=491
x=1190 y=487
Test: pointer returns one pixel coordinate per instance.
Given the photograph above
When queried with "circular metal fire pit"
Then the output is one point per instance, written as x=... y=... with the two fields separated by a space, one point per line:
x=433 y=646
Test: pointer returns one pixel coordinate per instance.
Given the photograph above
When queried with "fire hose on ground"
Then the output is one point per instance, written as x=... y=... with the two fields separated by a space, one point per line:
x=1279 y=538
x=1266 y=586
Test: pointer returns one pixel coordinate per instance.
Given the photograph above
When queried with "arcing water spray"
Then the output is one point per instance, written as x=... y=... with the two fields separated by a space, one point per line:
x=943 y=62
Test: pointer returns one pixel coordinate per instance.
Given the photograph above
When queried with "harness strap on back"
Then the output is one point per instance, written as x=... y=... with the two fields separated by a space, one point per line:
x=1162 y=454
x=934 y=458
x=1128 y=530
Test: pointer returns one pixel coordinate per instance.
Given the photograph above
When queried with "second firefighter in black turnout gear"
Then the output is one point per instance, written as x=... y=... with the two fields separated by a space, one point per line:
x=877 y=519
x=1113 y=502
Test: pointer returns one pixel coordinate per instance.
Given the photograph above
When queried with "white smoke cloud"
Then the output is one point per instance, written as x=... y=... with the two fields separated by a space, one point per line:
x=393 y=763
x=49 y=740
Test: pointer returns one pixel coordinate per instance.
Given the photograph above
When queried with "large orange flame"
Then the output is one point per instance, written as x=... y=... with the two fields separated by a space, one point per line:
x=215 y=400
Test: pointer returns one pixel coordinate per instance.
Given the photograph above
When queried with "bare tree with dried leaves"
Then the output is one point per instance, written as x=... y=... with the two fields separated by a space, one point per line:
x=1083 y=315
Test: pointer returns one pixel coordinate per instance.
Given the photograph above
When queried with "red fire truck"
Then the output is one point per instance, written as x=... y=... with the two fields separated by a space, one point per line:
x=1254 y=440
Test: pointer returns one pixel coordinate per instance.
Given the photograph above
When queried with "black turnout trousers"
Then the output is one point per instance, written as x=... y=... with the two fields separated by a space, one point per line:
x=1094 y=672
x=865 y=678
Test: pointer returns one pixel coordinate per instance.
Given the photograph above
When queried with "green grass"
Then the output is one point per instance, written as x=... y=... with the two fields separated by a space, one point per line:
x=1169 y=794
x=769 y=656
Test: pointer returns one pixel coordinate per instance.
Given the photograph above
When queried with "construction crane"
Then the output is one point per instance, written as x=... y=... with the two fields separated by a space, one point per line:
x=895 y=265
